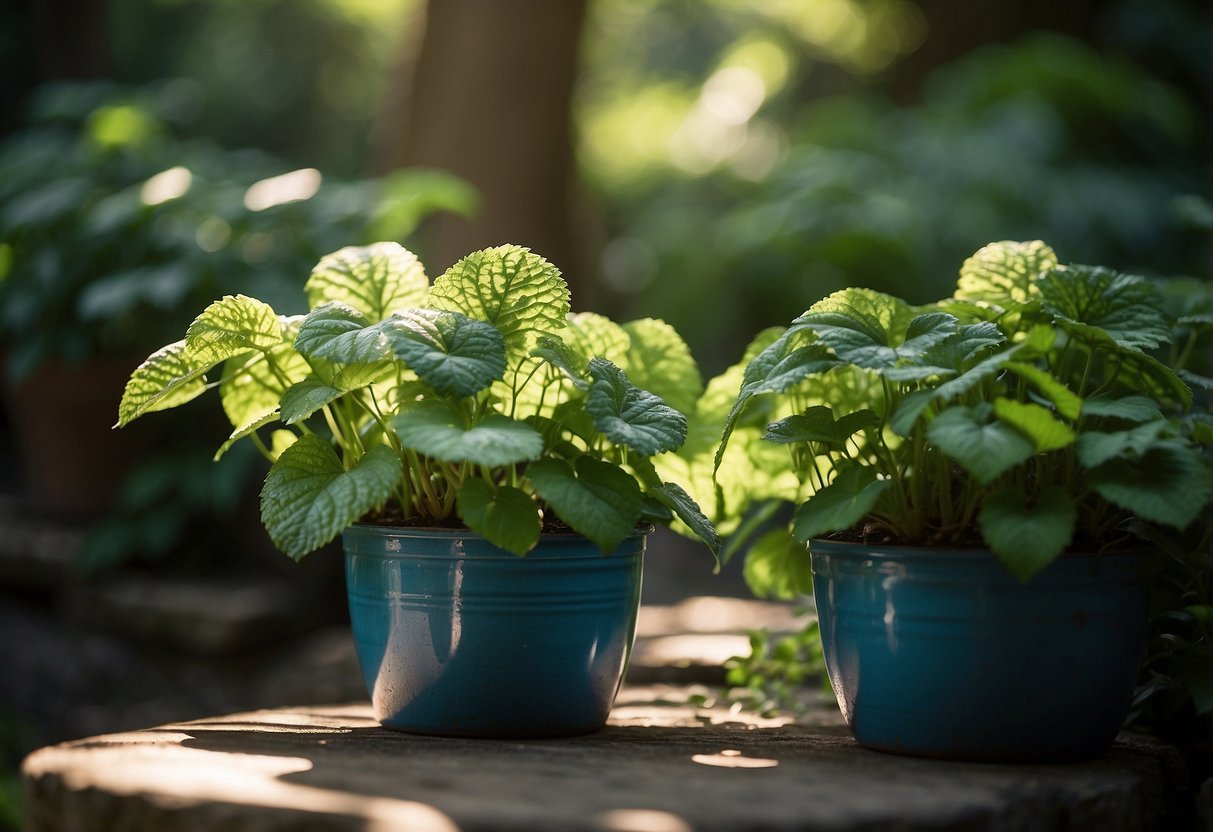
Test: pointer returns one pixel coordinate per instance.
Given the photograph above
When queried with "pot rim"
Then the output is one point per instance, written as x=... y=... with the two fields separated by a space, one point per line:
x=941 y=552
x=446 y=532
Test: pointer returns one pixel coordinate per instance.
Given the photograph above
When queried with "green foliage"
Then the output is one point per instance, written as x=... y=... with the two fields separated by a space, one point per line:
x=114 y=231
x=1023 y=414
x=458 y=402
x=772 y=677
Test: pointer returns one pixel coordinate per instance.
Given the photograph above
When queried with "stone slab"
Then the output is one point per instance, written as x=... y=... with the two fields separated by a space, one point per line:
x=662 y=765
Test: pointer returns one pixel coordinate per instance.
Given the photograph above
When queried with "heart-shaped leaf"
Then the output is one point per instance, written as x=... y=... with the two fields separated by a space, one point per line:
x=1027 y=534
x=376 y=280
x=519 y=292
x=598 y=500
x=1104 y=306
x=340 y=333
x=863 y=327
x=840 y=505
x=434 y=429
x=1169 y=484
x=596 y=335
x=309 y=497
x=453 y=354
x=984 y=448
x=230 y=326
x=504 y=516
x=1097 y=447
x=1004 y=273
x=629 y=416
x=1136 y=409
x=659 y=360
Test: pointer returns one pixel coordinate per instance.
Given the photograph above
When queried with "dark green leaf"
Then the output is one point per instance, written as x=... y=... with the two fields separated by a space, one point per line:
x=1027 y=535
x=342 y=334
x=504 y=516
x=984 y=448
x=630 y=416
x=1105 y=306
x=455 y=355
x=600 y=500
x=564 y=358
x=840 y=505
x=305 y=398
x=688 y=511
x=1169 y=484
x=1097 y=447
x=434 y=429
x=309 y=497
x=863 y=327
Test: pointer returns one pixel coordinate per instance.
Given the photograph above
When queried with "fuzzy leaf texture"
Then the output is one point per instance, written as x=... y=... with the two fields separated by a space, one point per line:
x=1027 y=535
x=453 y=354
x=167 y=378
x=504 y=516
x=309 y=497
x=1004 y=274
x=519 y=292
x=598 y=499
x=630 y=416
x=434 y=429
x=1101 y=305
x=376 y=280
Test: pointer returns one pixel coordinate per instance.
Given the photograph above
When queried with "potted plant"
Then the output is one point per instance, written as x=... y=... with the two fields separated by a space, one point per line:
x=975 y=483
x=479 y=449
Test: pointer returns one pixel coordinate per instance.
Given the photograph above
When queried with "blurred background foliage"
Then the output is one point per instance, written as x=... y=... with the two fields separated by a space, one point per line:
x=730 y=161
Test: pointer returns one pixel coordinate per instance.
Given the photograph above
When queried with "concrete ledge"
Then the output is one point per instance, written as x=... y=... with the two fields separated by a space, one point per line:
x=661 y=766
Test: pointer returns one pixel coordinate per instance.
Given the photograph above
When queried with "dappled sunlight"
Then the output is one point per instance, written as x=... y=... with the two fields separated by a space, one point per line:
x=295 y=186
x=166 y=185
x=642 y=820
x=732 y=758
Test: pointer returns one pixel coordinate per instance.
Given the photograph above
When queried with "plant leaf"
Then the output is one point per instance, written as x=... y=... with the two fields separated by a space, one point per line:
x=949 y=356
x=251 y=390
x=242 y=431
x=630 y=416
x=568 y=360
x=230 y=326
x=840 y=505
x=376 y=280
x=1169 y=484
x=305 y=397
x=1004 y=273
x=597 y=335
x=505 y=516
x=601 y=501
x=1105 y=306
x=168 y=378
x=661 y=362
x=309 y=498
x=340 y=333
x=817 y=424
x=778 y=566
x=520 y=293
x=1036 y=422
x=1027 y=535
x=676 y=498
x=1094 y=447
x=1067 y=402
x=983 y=448
x=1129 y=408
x=434 y=429
x=453 y=354
x=862 y=326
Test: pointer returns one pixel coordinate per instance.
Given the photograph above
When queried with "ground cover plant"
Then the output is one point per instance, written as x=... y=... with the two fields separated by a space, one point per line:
x=477 y=400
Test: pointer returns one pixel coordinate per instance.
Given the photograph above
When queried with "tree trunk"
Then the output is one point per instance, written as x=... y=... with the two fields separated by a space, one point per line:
x=490 y=101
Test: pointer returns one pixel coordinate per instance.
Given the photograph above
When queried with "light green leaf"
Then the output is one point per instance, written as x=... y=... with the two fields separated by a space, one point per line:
x=1027 y=535
x=376 y=280
x=1105 y=306
x=909 y=411
x=660 y=361
x=520 y=293
x=1094 y=447
x=1068 y=403
x=168 y=378
x=280 y=440
x=230 y=326
x=340 y=333
x=568 y=360
x=505 y=516
x=601 y=501
x=309 y=498
x=434 y=429
x=1004 y=273
x=1169 y=484
x=597 y=335
x=864 y=327
x=840 y=505
x=251 y=389
x=778 y=566
x=983 y=448
x=630 y=416
x=453 y=354
x=688 y=511
x=1035 y=422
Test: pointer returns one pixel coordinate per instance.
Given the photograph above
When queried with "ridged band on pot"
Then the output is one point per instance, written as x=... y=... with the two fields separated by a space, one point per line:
x=460 y=638
x=943 y=653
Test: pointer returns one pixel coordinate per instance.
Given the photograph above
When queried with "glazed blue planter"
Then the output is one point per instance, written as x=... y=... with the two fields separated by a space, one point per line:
x=942 y=653
x=457 y=637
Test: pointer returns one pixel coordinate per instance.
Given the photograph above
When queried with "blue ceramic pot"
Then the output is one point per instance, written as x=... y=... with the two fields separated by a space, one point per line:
x=942 y=653
x=460 y=638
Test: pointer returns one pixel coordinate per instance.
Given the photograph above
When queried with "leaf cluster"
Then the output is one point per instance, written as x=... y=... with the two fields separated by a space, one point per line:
x=477 y=400
x=1030 y=412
